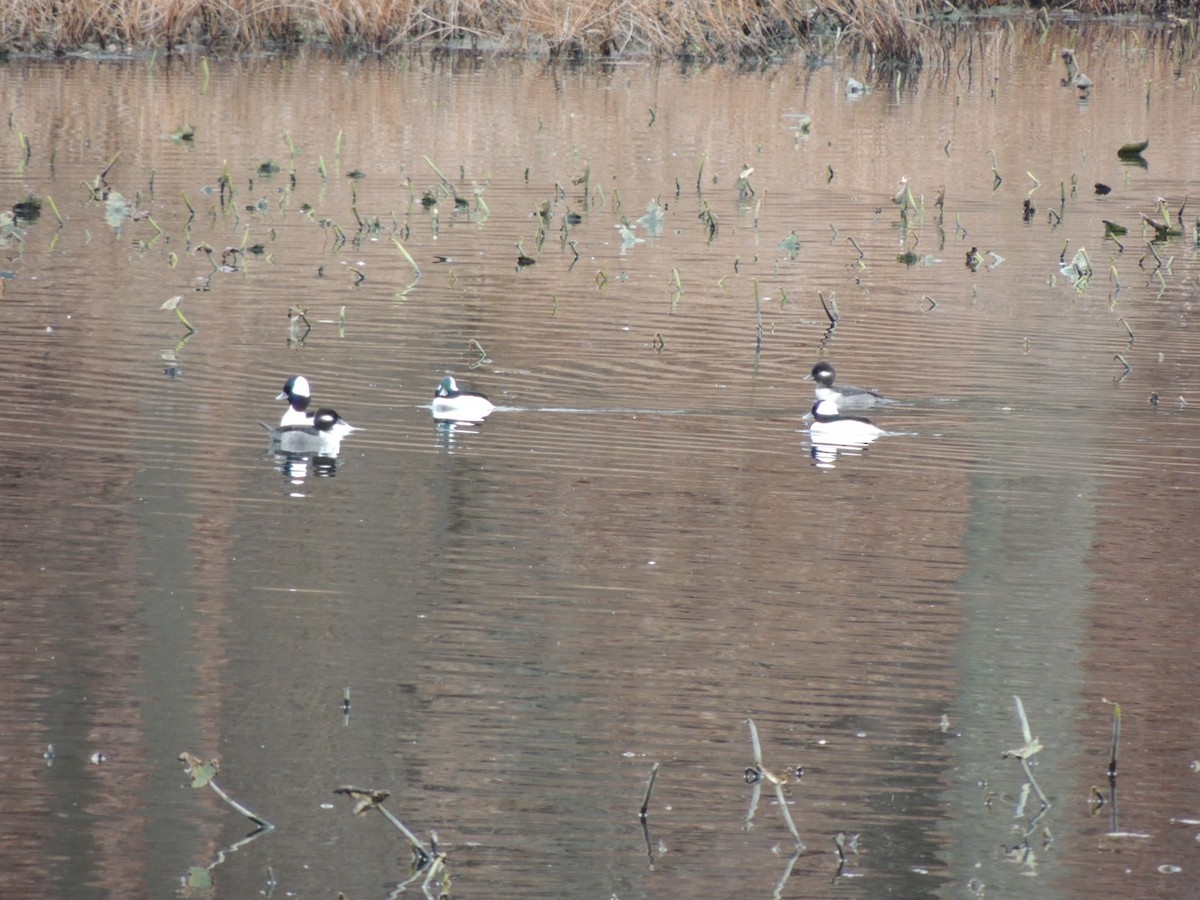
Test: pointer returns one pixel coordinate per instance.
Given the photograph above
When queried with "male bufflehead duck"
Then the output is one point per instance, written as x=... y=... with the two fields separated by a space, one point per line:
x=831 y=427
x=452 y=405
x=297 y=394
x=325 y=423
x=846 y=396
x=321 y=437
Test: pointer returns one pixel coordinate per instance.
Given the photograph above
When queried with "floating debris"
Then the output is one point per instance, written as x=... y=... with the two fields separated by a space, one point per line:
x=1075 y=76
x=172 y=305
x=628 y=239
x=117 y=209
x=745 y=190
x=1079 y=269
x=790 y=245
x=367 y=799
x=1133 y=150
x=202 y=773
x=29 y=209
x=1165 y=228
x=803 y=122
x=652 y=218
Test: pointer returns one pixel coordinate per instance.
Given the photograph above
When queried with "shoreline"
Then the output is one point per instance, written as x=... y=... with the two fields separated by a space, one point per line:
x=896 y=32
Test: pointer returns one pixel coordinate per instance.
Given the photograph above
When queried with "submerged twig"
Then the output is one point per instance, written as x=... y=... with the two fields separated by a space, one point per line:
x=649 y=789
x=1032 y=745
x=54 y=209
x=173 y=305
x=830 y=308
x=1114 y=816
x=203 y=773
x=437 y=171
x=368 y=799
x=779 y=795
x=253 y=817
x=481 y=358
x=758 y=773
x=438 y=867
x=758 y=330
x=407 y=257
x=842 y=844
x=787 y=873
x=1116 y=740
x=754 y=744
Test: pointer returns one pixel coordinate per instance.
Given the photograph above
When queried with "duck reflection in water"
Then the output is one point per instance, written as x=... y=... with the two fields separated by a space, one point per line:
x=295 y=466
x=832 y=433
x=448 y=432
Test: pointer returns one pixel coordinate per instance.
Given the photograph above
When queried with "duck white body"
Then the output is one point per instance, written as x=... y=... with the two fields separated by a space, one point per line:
x=845 y=395
x=831 y=427
x=304 y=432
x=453 y=405
x=298 y=395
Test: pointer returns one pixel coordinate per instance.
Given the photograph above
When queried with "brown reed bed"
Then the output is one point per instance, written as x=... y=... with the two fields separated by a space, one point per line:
x=893 y=30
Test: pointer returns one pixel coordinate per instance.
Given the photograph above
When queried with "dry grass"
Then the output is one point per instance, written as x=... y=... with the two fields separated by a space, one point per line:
x=893 y=29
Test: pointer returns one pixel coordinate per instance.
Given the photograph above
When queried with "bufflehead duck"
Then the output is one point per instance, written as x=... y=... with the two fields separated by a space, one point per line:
x=846 y=396
x=453 y=405
x=322 y=436
x=325 y=423
x=297 y=394
x=831 y=427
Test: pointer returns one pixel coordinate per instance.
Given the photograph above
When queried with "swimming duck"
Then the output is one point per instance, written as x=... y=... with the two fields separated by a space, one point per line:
x=846 y=396
x=831 y=427
x=296 y=392
x=302 y=431
x=453 y=405
x=321 y=437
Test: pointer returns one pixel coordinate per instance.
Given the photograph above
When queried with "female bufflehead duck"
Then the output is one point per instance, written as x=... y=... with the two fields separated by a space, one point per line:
x=452 y=405
x=846 y=396
x=831 y=427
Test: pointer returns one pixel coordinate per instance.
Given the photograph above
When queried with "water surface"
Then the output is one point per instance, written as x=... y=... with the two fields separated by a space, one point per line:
x=638 y=551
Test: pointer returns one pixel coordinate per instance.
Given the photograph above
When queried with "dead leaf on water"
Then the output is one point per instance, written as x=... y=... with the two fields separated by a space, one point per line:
x=202 y=772
x=365 y=798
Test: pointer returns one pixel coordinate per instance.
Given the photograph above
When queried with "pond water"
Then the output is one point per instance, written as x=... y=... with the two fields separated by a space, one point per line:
x=641 y=549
